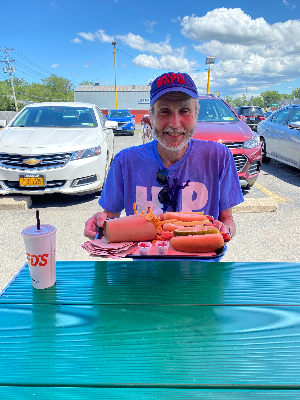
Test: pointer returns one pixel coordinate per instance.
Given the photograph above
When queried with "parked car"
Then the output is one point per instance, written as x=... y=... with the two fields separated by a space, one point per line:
x=280 y=136
x=56 y=147
x=268 y=113
x=147 y=135
x=125 y=120
x=251 y=115
x=218 y=122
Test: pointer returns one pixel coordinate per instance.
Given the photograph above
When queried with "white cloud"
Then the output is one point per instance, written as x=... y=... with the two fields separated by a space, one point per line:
x=87 y=64
x=139 y=43
x=245 y=48
x=74 y=74
x=54 y=5
x=54 y=65
x=88 y=36
x=175 y=20
x=124 y=65
x=167 y=62
x=150 y=25
x=76 y=40
x=100 y=34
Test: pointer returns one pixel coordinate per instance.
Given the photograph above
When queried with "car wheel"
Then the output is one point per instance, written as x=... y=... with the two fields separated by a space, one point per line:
x=265 y=159
x=131 y=133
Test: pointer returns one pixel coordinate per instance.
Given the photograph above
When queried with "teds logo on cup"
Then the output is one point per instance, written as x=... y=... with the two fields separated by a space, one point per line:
x=40 y=260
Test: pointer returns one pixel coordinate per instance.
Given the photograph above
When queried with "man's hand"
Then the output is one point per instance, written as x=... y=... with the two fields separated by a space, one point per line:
x=226 y=218
x=92 y=224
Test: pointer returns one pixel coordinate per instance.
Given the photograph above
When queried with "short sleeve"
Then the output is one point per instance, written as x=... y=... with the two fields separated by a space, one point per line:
x=112 y=196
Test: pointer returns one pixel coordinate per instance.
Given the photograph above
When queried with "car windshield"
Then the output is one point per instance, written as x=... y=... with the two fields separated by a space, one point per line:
x=56 y=116
x=119 y=114
x=215 y=111
x=251 y=111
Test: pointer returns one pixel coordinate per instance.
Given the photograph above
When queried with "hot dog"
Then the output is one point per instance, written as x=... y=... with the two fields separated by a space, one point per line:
x=197 y=243
x=132 y=228
x=185 y=216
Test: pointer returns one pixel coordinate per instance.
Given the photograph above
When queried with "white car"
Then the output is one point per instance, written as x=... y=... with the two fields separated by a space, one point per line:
x=56 y=147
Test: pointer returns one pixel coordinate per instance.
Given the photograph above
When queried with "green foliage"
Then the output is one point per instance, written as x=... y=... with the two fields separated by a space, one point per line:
x=52 y=88
x=257 y=101
x=87 y=83
x=270 y=96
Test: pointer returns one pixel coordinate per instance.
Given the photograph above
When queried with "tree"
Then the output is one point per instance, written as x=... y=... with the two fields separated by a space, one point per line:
x=87 y=83
x=296 y=93
x=270 y=96
x=257 y=101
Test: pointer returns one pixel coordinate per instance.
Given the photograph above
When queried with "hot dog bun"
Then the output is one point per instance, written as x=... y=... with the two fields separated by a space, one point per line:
x=132 y=228
x=198 y=243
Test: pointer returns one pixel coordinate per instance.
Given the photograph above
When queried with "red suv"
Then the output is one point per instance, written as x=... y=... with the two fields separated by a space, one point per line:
x=218 y=122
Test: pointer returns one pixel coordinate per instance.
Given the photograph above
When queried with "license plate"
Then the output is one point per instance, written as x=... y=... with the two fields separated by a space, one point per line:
x=30 y=180
x=252 y=118
x=119 y=129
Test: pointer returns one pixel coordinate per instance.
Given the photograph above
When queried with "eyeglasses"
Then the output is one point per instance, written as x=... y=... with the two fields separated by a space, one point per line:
x=164 y=195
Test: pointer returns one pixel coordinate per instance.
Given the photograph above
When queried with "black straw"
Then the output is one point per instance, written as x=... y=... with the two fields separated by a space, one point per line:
x=38 y=222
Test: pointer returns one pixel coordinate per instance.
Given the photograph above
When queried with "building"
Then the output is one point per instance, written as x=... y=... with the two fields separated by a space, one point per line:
x=135 y=98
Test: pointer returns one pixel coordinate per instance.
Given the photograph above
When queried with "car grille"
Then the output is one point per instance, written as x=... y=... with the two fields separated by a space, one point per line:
x=122 y=123
x=15 y=185
x=234 y=145
x=240 y=161
x=254 y=168
x=48 y=161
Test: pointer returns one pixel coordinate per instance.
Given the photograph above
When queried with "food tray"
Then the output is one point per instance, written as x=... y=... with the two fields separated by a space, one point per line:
x=172 y=254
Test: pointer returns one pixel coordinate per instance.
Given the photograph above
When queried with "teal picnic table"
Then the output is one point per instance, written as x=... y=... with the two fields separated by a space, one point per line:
x=153 y=330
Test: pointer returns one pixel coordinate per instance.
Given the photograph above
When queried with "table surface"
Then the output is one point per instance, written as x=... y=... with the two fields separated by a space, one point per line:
x=153 y=330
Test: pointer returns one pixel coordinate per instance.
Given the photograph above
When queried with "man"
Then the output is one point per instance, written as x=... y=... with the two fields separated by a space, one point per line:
x=173 y=172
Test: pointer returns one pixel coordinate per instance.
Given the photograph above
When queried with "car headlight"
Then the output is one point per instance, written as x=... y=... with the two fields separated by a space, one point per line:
x=95 y=151
x=249 y=144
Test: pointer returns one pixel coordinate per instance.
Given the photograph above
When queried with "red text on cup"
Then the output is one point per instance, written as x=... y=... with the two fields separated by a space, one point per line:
x=40 y=260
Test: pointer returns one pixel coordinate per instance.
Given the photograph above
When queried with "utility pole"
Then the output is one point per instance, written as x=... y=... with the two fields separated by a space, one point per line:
x=10 y=70
x=114 y=43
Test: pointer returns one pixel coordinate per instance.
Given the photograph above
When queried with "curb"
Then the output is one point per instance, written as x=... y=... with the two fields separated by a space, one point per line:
x=266 y=204
x=19 y=203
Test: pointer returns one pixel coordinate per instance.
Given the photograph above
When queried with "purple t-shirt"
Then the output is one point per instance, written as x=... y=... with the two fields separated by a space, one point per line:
x=205 y=179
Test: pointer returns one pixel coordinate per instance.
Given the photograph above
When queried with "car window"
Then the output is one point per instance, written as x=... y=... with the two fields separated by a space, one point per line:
x=295 y=115
x=119 y=114
x=281 y=116
x=251 y=111
x=57 y=116
x=215 y=111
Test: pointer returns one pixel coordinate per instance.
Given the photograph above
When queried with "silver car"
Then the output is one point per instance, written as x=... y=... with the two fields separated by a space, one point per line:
x=56 y=147
x=280 y=136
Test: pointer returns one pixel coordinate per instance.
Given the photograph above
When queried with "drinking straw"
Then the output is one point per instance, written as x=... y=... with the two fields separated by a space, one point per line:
x=38 y=222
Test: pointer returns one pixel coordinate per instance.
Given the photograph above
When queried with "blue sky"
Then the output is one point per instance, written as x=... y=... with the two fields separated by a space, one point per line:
x=256 y=43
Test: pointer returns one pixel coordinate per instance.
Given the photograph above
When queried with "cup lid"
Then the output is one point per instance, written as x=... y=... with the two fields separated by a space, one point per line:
x=32 y=231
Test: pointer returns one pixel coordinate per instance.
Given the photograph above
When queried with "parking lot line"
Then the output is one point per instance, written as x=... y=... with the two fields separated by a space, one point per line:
x=271 y=194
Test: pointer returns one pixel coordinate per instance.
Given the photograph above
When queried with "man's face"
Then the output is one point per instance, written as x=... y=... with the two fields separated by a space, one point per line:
x=174 y=119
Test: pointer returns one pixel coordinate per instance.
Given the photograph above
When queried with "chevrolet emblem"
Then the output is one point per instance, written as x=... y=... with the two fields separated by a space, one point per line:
x=32 y=161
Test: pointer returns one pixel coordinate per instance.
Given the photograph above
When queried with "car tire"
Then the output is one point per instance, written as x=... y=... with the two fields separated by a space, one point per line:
x=265 y=159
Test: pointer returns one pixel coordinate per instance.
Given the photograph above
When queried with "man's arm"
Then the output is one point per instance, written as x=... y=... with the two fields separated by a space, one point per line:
x=226 y=218
x=92 y=224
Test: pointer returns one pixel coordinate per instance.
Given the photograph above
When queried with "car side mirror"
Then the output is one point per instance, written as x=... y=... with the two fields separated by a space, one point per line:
x=295 y=125
x=3 y=123
x=133 y=116
x=111 y=125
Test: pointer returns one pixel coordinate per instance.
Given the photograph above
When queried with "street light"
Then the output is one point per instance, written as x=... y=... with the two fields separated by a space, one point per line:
x=247 y=88
x=289 y=87
x=114 y=43
x=209 y=61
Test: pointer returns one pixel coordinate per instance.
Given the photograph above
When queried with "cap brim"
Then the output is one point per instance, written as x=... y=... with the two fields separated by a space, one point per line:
x=173 y=89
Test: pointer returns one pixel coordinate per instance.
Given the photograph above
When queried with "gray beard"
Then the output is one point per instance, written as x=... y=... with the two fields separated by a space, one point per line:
x=188 y=136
